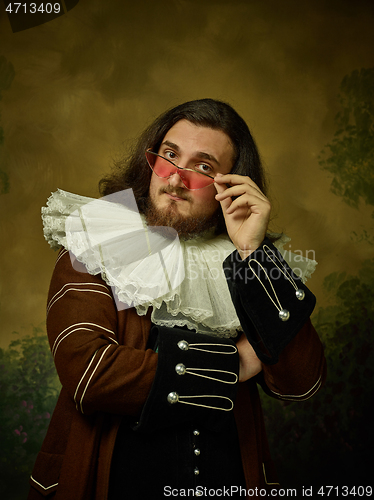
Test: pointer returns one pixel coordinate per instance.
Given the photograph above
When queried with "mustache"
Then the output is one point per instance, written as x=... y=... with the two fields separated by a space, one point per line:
x=177 y=191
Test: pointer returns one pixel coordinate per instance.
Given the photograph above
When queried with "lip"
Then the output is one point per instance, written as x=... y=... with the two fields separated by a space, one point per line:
x=174 y=197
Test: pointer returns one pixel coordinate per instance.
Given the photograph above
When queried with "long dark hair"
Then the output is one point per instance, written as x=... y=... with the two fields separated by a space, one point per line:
x=135 y=173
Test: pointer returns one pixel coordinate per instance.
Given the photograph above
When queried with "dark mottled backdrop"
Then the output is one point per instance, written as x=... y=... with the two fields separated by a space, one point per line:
x=87 y=83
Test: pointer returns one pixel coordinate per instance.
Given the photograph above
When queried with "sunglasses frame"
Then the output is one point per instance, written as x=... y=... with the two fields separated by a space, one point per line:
x=177 y=170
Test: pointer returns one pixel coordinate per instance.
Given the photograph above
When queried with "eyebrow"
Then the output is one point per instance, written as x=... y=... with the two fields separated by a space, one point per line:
x=199 y=154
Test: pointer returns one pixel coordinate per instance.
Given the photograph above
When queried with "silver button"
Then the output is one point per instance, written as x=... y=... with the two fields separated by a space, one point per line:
x=173 y=397
x=284 y=314
x=196 y=432
x=197 y=451
x=180 y=369
x=300 y=294
x=183 y=345
x=196 y=471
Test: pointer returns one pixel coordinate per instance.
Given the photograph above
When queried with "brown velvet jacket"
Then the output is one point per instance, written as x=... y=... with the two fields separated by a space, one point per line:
x=107 y=372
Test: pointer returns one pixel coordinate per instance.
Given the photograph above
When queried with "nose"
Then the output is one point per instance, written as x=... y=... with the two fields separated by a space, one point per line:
x=175 y=180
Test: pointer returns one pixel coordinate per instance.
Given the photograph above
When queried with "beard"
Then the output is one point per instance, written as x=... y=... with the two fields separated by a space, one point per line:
x=186 y=227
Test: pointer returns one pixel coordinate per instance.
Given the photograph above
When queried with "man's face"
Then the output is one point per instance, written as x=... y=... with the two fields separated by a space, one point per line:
x=188 y=145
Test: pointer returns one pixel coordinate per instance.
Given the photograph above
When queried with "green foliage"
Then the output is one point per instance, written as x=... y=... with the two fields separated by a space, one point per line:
x=365 y=236
x=328 y=439
x=29 y=388
x=350 y=156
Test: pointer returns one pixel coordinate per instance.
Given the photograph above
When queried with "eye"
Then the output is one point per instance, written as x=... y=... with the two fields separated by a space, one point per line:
x=203 y=167
x=170 y=155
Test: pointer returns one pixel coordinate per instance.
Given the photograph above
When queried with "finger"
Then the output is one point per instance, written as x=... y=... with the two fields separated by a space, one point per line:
x=226 y=201
x=235 y=179
x=219 y=187
x=231 y=191
x=239 y=190
x=255 y=204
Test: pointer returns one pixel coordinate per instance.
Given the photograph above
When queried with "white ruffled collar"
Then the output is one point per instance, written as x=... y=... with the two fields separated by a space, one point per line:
x=183 y=281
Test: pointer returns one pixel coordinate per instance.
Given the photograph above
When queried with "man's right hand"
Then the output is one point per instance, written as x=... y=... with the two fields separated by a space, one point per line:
x=249 y=364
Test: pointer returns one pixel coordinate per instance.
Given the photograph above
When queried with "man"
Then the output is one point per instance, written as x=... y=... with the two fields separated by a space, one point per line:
x=148 y=392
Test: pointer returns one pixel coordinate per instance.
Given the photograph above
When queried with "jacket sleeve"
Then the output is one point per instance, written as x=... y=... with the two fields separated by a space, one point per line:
x=97 y=366
x=300 y=371
x=273 y=306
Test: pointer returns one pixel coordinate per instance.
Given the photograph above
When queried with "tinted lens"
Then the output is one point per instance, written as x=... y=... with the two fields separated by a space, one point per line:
x=194 y=180
x=165 y=168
